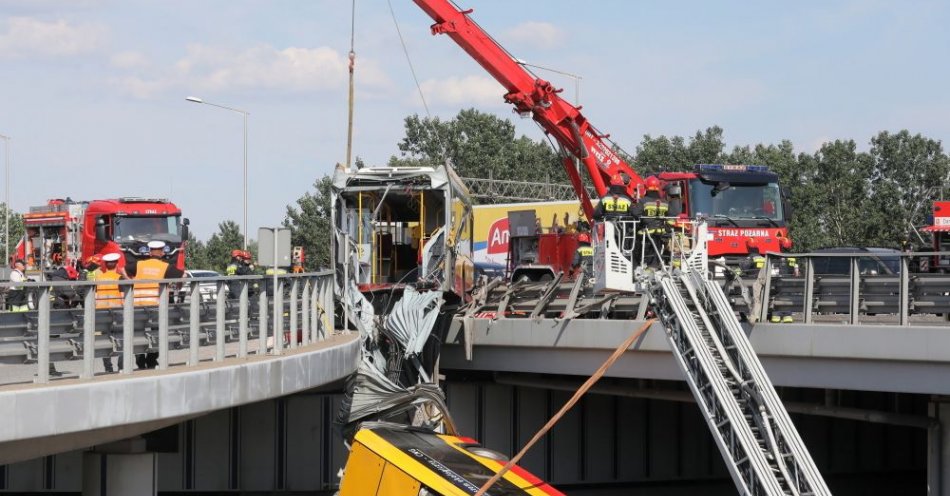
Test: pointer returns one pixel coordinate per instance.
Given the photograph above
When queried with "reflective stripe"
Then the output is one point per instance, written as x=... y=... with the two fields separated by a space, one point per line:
x=231 y=270
x=585 y=251
x=657 y=208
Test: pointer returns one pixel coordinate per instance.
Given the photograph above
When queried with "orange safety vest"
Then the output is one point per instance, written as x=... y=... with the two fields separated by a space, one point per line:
x=147 y=293
x=108 y=295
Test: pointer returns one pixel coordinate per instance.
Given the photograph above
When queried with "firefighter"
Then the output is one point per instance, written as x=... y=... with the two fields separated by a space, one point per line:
x=92 y=267
x=616 y=203
x=583 y=256
x=17 y=300
x=147 y=293
x=241 y=265
x=653 y=204
x=237 y=257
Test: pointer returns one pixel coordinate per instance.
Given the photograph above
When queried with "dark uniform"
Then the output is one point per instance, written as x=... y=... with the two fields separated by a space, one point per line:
x=584 y=259
x=614 y=205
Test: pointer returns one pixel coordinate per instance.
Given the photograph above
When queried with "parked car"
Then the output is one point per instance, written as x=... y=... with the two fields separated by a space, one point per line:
x=880 y=261
x=208 y=290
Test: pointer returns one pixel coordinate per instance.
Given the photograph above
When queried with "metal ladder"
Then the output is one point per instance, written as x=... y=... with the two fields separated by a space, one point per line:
x=754 y=433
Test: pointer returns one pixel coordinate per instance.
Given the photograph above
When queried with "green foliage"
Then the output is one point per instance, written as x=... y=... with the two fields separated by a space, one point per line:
x=478 y=145
x=219 y=246
x=309 y=222
x=196 y=253
x=16 y=229
x=840 y=196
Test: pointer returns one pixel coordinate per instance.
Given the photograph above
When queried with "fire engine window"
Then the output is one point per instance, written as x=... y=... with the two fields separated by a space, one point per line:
x=129 y=228
x=736 y=201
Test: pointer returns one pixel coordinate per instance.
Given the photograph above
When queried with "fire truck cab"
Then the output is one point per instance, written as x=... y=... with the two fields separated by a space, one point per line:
x=64 y=233
x=742 y=204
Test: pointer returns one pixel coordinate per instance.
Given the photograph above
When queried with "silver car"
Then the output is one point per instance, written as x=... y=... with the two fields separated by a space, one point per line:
x=207 y=290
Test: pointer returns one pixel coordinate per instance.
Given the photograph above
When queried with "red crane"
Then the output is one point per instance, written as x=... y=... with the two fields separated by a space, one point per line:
x=538 y=97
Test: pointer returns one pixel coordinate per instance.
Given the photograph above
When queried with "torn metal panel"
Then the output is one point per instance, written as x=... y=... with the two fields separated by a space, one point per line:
x=412 y=319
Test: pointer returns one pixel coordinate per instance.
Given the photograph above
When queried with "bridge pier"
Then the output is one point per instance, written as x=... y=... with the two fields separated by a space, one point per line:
x=122 y=468
x=938 y=448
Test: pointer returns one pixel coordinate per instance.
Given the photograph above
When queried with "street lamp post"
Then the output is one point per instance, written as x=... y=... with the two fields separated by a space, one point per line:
x=6 y=199
x=245 y=114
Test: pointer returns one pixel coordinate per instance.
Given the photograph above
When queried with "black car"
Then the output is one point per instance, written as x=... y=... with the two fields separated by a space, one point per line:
x=880 y=261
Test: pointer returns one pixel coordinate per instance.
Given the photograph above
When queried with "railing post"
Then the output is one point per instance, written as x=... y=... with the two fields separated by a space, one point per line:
x=42 y=337
x=163 y=326
x=263 y=322
x=315 y=290
x=278 y=316
x=89 y=333
x=194 y=322
x=854 y=308
x=128 y=329
x=328 y=308
x=220 y=298
x=904 y=293
x=292 y=328
x=809 y=289
x=242 y=320
x=766 y=289
x=305 y=313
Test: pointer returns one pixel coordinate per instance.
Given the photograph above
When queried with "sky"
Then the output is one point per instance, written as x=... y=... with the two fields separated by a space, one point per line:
x=93 y=91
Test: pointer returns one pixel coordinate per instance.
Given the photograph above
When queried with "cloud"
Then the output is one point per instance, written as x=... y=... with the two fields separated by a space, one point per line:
x=536 y=34
x=129 y=60
x=26 y=36
x=467 y=91
x=261 y=67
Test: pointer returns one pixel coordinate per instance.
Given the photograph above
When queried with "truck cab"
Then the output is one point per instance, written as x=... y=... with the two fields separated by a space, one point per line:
x=743 y=205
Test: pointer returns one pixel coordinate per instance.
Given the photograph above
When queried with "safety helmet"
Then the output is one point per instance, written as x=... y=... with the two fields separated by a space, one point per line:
x=653 y=184
x=583 y=238
x=94 y=259
x=616 y=180
x=246 y=255
x=237 y=253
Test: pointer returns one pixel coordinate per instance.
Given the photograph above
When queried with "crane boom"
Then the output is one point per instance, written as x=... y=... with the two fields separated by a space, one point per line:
x=535 y=96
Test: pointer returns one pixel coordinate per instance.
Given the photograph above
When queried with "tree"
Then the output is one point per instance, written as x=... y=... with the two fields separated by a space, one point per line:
x=908 y=173
x=196 y=254
x=310 y=224
x=654 y=155
x=16 y=229
x=219 y=246
x=478 y=145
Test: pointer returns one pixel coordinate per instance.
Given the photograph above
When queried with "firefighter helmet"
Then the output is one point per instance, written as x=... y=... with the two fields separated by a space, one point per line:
x=583 y=238
x=653 y=184
x=237 y=254
x=616 y=180
x=245 y=255
x=94 y=259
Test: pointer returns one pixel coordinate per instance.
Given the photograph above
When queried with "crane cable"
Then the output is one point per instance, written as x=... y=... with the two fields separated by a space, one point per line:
x=405 y=50
x=352 y=66
x=567 y=406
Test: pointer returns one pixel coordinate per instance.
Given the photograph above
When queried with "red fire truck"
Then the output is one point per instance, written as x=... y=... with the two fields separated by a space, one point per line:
x=64 y=233
x=743 y=204
x=940 y=229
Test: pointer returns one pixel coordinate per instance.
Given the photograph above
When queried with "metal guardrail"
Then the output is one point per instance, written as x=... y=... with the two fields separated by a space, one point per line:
x=302 y=305
x=854 y=294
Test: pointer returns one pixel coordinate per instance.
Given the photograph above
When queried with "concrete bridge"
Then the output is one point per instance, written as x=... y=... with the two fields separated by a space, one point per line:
x=228 y=407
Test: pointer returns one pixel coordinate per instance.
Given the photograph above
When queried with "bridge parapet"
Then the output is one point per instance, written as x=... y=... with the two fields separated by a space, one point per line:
x=64 y=326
